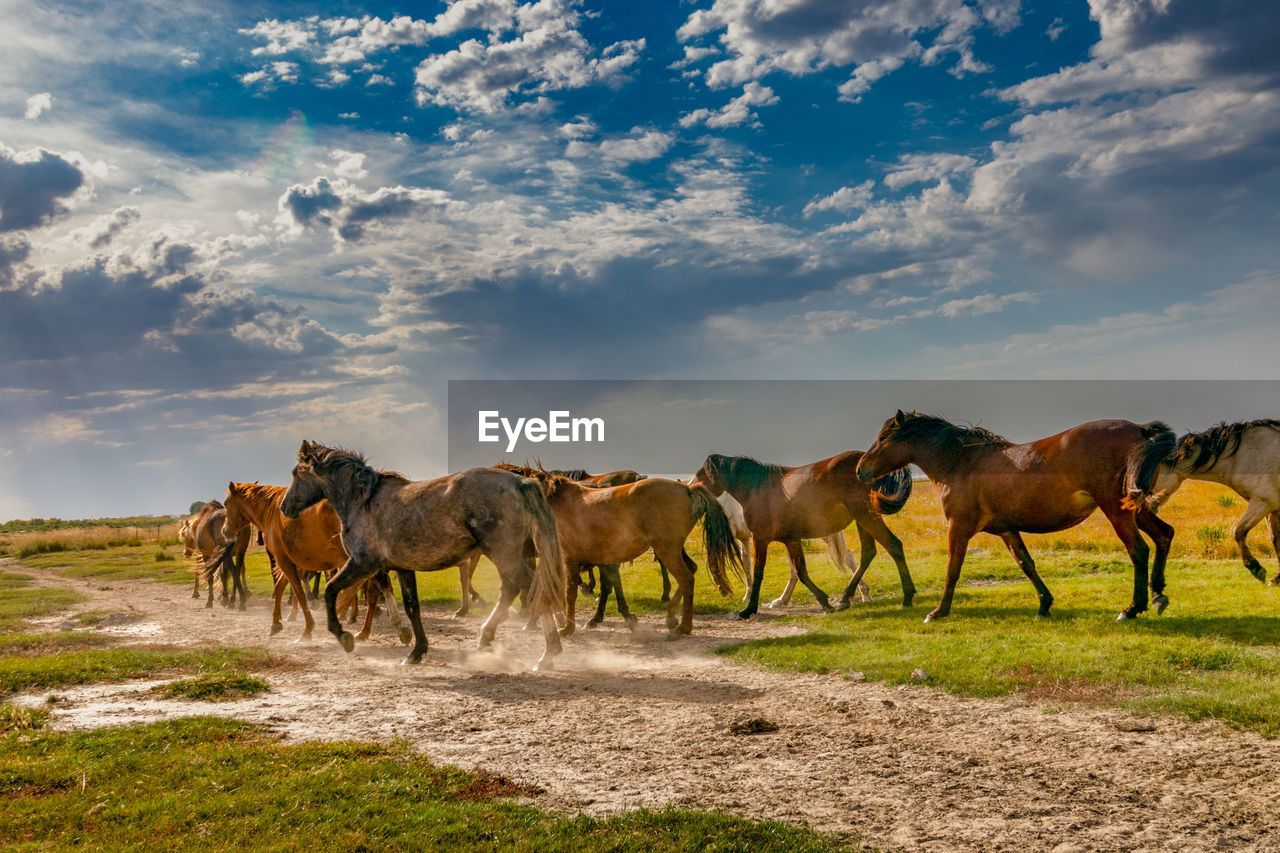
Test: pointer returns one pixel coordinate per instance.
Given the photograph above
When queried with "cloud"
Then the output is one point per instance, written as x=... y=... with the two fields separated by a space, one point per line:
x=640 y=146
x=875 y=37
x=282 y=36
x=737 y=112
x=548 y=54
x=33 y=187
x=105 y=228
x=271 y=73
x=38 y=104
x=845 y=199
x=347 y=211
x=983 y=303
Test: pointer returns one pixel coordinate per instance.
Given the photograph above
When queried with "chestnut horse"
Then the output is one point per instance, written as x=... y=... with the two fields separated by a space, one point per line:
x=813 y=501
x=612 y=525
x=390 y=523
x=988 y=484
x=1244 y=457
x=310 y=543
x=202 y=534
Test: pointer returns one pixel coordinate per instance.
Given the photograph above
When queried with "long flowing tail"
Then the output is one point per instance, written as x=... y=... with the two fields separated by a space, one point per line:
x=891 y=491
x=717 y=538
x=221 y=564
x=1143 y=461
x=546 y=593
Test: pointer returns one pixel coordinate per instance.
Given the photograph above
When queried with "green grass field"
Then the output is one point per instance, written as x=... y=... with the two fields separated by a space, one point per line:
x=207 y=784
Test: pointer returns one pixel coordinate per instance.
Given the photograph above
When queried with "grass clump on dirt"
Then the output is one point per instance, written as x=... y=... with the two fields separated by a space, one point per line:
x=203 y=783
x=62 y=669
x=116 y=562
x=17 y=719
x=20 y=601
x=214 y=687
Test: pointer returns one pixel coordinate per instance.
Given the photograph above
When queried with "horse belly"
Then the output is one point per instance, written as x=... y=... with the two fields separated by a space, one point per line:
x=1052 y=517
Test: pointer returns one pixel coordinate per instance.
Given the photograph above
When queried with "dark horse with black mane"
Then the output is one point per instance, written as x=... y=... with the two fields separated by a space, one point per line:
x=813 y=501
x=392 y=523
x=988 y=484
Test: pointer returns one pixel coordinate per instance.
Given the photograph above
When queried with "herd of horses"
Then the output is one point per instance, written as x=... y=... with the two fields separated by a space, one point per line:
x=543 y=529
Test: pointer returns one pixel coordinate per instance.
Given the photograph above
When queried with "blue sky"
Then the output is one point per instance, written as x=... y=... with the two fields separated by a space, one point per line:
x=225 y=226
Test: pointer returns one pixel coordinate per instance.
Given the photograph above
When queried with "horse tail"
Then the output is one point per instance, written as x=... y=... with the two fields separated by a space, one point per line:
x=717 y=538
x=1143 y=461
x=547 y=592
x=221 y=564
x=890 y=492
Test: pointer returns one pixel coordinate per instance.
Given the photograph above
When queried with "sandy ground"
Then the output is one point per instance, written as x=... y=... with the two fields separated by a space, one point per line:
x=632 y=720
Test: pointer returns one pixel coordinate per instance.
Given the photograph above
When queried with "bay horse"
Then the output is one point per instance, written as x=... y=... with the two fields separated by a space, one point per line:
x=309 y=543
x=837 y=550
x=988 y=484
x=201 y=534
x=813 y=501
x=621 y=477
x=613 y=525
x=1244 y=457
x=392 y=523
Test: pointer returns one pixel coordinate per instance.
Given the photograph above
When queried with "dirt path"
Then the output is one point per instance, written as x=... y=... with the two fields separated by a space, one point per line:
x=636 y=721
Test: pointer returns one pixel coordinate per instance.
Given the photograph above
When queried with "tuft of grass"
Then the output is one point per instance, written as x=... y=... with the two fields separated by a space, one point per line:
x=220 y=784
x=1225 y=501
x=165 y=557
x=215 y=687
x=61 y=669
x=20 y=601
x=14 y=718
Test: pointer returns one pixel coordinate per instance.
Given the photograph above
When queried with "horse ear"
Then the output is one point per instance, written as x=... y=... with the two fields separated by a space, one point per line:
x=900 y=417
x=231 y=486
x=367 y=481
x=304 y=451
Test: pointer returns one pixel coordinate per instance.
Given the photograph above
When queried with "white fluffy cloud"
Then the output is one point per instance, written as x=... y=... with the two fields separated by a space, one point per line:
x=737 y=112
x=37 y=105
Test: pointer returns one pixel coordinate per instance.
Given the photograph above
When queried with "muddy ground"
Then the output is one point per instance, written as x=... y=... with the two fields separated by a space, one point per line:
x=631 y=720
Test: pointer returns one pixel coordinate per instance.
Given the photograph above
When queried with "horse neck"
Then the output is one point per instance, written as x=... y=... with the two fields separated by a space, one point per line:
x=933 y=463
x=262 y=504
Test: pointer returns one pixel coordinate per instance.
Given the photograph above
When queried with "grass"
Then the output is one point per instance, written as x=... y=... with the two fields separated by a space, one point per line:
x=207 y=784
x=215 y=687
x=17 y=719
x=64 y=668
x=20 y=601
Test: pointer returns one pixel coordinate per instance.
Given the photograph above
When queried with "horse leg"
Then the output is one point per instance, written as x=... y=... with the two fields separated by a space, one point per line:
x=466 y=569
x=276 y=595
x=842 y=557
x=1273 y=522
x=371 y=593
x=1253 y=513
x=866 y=553
x=498 y=615
x=957 y=543
x=350 y=575
x=195 y=590
x=880 y=532
x=745 y=551
x=299 y=596
x=212 y=576
x=1125 y=524
x=1018 y=548
x=619 y=597
x=313 y=592
x=785 y=598
x=682 y=599
x=795 y=550
x=757 y=578
x=1161 y=534
x=572 y=572
x=589 y=585
x=409 y=592
x=606 y=586
x=666 y=583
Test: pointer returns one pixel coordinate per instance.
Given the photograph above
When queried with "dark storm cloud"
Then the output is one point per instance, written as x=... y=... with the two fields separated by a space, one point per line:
x=348 y=210
x=13 y=251
x=1241 y=34
x=32 y=188
x=308 y=204
x=120 y=220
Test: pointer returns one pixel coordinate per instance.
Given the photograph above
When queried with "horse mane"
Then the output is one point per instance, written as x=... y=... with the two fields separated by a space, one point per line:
x=571 y=473
x=522 y=470
x=950 y=441
x=744 y=473
x=257 y=491
x=351 y=466
x=1205 y=449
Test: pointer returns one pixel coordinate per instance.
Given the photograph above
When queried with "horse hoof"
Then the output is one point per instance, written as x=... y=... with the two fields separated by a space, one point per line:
x=405 y=636
x=841 y=604
x=744 y=616
x=776 y=603
x=632 y=623
x=1125 y=616
x=1161 y=602
x=276 y=628
x=348 y=641
x=672 y=636
x=591 y=623
x=544 y=665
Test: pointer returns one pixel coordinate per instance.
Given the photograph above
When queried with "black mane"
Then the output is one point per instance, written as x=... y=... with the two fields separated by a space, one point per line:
x=1204 y=449
x=743 y=472
x=948 y=440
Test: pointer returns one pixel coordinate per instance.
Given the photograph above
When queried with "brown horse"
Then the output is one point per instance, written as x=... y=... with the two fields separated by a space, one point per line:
x=813 y=501
x=202 y=534
x=310 y=543
x=612 y=525
x=988 y=484
x=392 y=523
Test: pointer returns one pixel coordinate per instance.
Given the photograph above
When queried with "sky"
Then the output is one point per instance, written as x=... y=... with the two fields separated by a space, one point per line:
x=225 y=227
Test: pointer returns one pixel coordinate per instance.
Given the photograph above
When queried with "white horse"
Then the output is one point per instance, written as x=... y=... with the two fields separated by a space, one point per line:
x=1244 y=457
x=837 y=549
